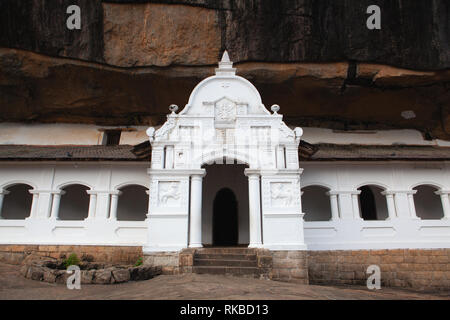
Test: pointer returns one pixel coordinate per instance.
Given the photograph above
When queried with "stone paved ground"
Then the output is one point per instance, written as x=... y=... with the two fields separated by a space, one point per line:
x=193 y=286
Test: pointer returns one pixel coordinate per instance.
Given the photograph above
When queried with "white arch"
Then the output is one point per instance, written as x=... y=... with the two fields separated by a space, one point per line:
x=317 y=184
x=17 y=182
x=438 y=186
x=67 y=184
x=211 y=157
x=372 y=183
x=130 y=183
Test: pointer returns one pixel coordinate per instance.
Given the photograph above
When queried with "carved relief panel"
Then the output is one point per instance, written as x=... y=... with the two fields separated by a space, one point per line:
x=225 y=113
x=279 y=193
x=169 y=194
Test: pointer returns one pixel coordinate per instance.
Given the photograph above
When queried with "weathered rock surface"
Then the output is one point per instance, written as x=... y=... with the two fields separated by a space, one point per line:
x=91 y=273
x=316 y=59
x=160 y=35
x=415 y=34
x=121 y=275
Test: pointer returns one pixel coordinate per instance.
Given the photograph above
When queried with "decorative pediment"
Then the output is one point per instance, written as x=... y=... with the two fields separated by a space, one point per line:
x=225 y=117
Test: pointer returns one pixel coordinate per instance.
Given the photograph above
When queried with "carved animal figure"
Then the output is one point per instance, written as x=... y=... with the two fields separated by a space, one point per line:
x=282 y=193
x=172 y=192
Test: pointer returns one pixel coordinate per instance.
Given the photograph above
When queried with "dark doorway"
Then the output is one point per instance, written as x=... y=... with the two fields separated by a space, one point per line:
x=225 y=218
x=368 y=205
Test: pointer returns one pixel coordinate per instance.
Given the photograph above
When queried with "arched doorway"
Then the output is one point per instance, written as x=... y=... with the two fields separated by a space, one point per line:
x=225 y=218
x=225 y=206
x=372 y=203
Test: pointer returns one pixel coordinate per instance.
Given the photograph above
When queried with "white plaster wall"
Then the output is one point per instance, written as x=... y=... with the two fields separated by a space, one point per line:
x=64 y=134
x=401 y=229
x=382 y=137
x=47 y=179
x=225 y=176
x=80 y=134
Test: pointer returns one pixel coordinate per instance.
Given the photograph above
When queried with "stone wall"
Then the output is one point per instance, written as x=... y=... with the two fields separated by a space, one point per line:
x=15 y=254
x=408 y=268
x=290 y=266
x=168 y=261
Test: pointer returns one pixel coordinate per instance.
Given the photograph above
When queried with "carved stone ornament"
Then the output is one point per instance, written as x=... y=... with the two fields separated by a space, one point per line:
x=169 y=193
x=225 y=111
x=281 y=194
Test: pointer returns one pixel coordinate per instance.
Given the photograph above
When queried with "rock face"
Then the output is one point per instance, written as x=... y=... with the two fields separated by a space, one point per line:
x=317 y=59
x=91 y=273
x=166 y=35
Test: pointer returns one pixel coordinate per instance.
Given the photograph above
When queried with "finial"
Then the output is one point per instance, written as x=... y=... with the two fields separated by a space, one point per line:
x=151 y=133
x=225 y=66
x=225 y=57
x=275 y=108
x=173 y=108
x=298 y=132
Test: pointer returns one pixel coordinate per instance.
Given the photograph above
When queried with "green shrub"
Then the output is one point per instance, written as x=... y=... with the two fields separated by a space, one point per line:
x=139 y=262
x=72 y=260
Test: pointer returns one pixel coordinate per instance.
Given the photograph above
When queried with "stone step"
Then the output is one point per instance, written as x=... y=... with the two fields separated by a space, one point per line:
x=225 y=256
x=225 y=263
x=235 y=271
x=227 y=250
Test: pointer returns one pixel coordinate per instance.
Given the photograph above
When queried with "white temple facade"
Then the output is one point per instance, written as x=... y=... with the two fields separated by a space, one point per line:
x=225 y=123
x=224 y=171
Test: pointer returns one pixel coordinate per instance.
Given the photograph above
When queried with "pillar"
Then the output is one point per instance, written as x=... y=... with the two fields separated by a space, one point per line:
x=114 y=203
x=149 y=203
x=355 y=204
x=390 y=203
x=254 y=210
x=34 y=204
x=412 y=207
x=55 y=204
x=2 y=195
x=92 y=204
x=334 y=206
x=195 y=233
x=445 y=203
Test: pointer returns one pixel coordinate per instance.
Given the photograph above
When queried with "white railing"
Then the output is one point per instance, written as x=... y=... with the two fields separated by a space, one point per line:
x=87 y=232
x=389 y=234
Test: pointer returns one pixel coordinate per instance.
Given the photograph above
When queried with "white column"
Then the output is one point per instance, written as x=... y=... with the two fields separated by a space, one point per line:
x=195 y=232
x=114 y=203
x=92 y=204
x=390 y=204
x=254 y=210
x=34 y=204
x=169 y=157
x=55 y=204
x=345 y=205
x=355 y=204
x=2 y=195
x=334 y=206
x=412 y=207
x=148 y=210
x=103 y=205
x=445 y=203
x=281 y=161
